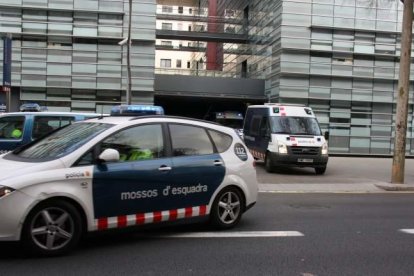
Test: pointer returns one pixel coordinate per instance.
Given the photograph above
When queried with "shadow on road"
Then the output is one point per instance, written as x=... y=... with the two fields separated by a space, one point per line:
x=291 y=170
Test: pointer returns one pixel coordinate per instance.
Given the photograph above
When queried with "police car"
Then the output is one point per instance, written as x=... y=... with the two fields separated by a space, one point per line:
x=115 y=172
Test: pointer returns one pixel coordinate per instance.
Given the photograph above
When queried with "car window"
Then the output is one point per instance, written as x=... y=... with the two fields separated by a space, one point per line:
x=221 y=140
x=11 y=127
x=43 y=125
x=137 y=143
x=63 y=141
x=66 y=121
x=190 y=140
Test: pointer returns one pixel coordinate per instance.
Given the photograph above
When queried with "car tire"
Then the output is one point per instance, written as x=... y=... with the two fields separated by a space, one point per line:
x=227 y=208
x=320 y=170
x=52 y=228
x=268 y=164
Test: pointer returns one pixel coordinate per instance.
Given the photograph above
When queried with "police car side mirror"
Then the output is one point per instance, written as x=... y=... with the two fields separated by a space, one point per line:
x=326 y=135
x=109 y=155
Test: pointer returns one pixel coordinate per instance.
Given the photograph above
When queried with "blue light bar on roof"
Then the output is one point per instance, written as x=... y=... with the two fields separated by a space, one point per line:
x=136 y=110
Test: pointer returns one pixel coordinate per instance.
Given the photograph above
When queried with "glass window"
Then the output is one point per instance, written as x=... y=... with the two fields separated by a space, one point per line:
x=166 y=43
x=11 y=127
x=221 y=140
x=85 y=24
x=84 y=69
x=137 y=143
x=167 y=9
x=86 y=4
x=166 y=26
x=166 y=63
x=59 y=69
x=190 y=140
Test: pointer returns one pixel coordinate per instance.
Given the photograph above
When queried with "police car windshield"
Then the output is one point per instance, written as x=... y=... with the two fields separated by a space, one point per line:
x=295 y=125
x=64 y=141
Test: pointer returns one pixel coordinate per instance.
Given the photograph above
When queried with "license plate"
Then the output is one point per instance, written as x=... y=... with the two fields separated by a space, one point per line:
x=305 y=160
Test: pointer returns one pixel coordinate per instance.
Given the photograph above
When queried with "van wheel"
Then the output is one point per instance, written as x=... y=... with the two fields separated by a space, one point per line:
x=320 y=170
x=227 y=208
x=52 y=228
x=268 y=164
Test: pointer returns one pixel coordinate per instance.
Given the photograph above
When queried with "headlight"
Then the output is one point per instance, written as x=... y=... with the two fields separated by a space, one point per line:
x=4 y=191
x=325 y=149
x=282 y=149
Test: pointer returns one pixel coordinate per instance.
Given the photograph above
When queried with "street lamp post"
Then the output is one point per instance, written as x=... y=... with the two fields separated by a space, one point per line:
x=128 y=90
x=128 y=42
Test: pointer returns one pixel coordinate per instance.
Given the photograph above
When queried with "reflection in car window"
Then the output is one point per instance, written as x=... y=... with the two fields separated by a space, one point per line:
x=11 y=127
x=42 y=125
x=221 y=140
x=189 y=140
x=63 y=141
x=137 y=143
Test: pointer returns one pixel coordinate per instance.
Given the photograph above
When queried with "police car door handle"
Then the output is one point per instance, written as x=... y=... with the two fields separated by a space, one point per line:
x=218 y=163
x=164 y=168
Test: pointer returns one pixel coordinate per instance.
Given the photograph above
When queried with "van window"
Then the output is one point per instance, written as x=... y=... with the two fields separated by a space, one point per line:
x=255 y=125
x=264 y=127
x=11 y=127
x=189 y=140
x=295 y=125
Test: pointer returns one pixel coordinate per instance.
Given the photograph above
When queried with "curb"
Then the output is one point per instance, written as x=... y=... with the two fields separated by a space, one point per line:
x=396 y=187
x=335 y=188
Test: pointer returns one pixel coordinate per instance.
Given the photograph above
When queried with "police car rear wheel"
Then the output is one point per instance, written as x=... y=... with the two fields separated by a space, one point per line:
x=227 y=208
x=52 y=228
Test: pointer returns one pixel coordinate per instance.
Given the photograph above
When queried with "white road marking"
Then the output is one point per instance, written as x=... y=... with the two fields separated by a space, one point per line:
x=239 y=234
x=407 y=231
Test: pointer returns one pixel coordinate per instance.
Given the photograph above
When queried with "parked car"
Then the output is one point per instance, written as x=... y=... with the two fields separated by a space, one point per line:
x=20 y=128
x=116 y=171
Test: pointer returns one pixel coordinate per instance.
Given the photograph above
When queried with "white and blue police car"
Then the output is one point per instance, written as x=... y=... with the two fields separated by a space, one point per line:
x=115 y=172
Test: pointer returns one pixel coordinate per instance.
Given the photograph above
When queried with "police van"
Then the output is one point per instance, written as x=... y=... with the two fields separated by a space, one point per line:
x=285 y=135
x=120 y=171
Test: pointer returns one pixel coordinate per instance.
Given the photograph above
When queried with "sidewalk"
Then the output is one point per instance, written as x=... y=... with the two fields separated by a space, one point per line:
x=335 y=188
x=344 y=175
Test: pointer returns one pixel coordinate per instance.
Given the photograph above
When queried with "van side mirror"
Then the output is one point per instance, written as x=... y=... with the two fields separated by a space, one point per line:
x=326 y=135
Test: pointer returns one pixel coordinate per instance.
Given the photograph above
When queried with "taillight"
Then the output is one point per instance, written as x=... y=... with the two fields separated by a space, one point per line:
x=254 y=163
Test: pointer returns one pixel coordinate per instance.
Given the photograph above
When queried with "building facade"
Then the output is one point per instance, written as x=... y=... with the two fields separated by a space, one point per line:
x=66 y=55
x=341 y=57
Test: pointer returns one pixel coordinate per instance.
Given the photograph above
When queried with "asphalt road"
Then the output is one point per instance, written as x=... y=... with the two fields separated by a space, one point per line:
x=341 y=234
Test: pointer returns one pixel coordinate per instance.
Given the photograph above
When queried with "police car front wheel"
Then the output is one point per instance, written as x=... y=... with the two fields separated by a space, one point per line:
x=227 y=208
x=52 y=228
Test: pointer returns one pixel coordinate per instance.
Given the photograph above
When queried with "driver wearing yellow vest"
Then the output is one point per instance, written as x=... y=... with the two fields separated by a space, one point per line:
x=16 y=133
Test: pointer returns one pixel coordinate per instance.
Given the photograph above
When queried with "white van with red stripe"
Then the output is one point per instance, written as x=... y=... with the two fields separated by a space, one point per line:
x=284 y=135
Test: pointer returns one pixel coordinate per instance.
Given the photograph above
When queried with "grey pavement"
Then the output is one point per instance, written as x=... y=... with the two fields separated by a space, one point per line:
x=344 y=175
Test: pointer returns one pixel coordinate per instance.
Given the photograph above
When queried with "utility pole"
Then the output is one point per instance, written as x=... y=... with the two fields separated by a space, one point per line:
x=129 y=84
x=398 y=163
